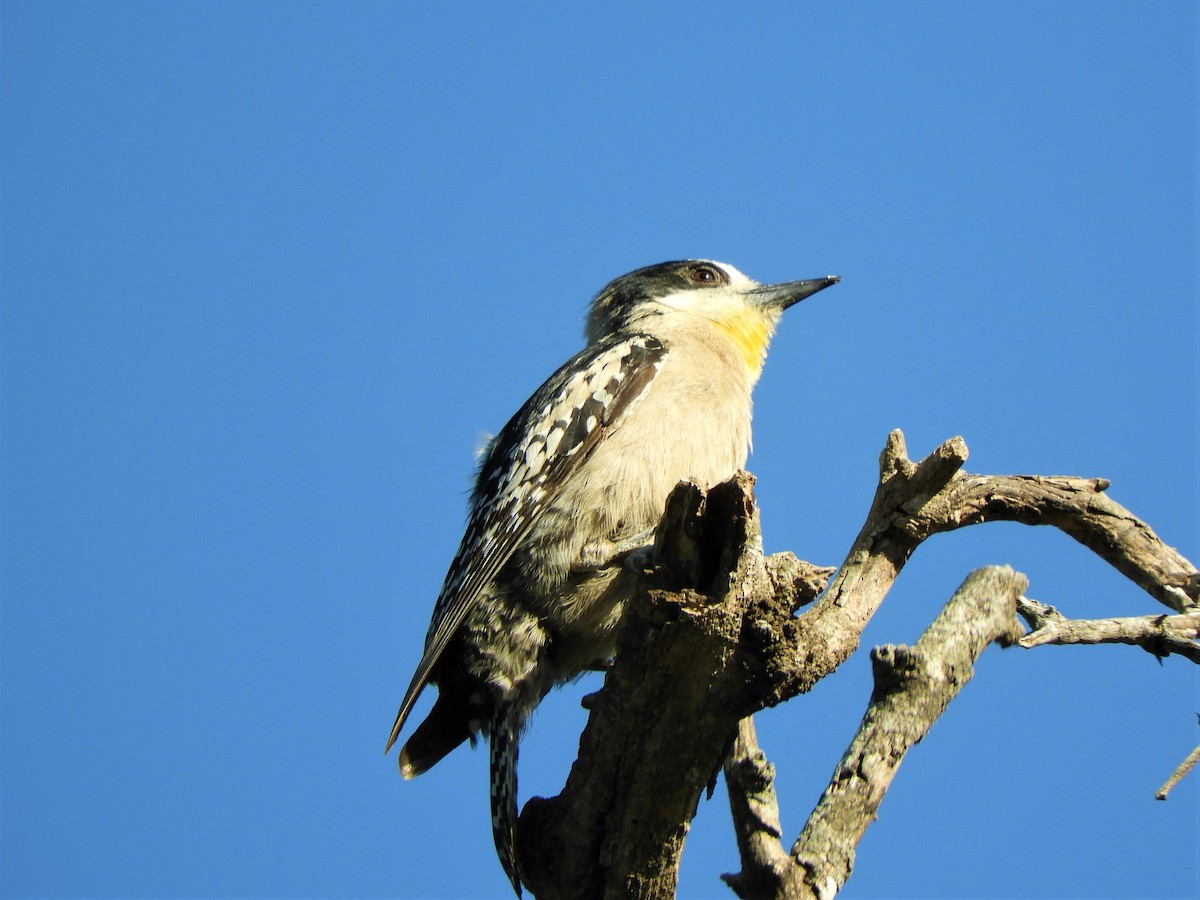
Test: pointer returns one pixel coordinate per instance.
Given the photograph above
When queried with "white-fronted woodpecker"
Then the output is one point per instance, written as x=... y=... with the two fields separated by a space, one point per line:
x=575 y=481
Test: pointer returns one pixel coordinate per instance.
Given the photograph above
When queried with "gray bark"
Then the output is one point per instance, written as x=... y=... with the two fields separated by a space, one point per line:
x=716 y=633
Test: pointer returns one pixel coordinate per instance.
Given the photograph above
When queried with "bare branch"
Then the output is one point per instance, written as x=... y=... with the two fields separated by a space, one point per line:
x=824 y=636
x=917 y=500
x=714 y=636
x=1184 y=767
x=1077 y=507
x=750 y=780
x=912 y=688
x=1159 y=635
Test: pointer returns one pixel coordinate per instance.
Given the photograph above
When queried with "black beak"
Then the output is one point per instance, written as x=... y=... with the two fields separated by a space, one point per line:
x=779 y=297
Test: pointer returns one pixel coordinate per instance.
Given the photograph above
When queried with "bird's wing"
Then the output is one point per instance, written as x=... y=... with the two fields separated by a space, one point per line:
x=525 y=468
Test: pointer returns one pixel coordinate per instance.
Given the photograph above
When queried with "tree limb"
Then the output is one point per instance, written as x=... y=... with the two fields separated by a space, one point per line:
x=750 y=781
x=1160 y=635
x=1078 y=507
x=713 y=636
x=823 y=637
x=1181 y=770
x=913 y=686
x=917 y=500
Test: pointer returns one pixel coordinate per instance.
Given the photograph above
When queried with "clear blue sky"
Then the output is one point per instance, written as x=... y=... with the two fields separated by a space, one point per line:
x=270 y=270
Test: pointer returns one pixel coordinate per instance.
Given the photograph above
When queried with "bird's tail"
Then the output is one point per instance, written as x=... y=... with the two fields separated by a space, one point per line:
x=448 y=724
x=503 y=763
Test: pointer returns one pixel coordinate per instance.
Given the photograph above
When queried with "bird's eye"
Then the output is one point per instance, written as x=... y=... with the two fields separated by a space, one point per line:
x=705 y=275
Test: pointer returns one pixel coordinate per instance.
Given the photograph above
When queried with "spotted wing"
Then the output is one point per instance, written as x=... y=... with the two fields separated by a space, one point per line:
x=525 y=468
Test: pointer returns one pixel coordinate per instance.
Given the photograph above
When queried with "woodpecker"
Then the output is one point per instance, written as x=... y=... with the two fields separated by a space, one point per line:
x=575 y=482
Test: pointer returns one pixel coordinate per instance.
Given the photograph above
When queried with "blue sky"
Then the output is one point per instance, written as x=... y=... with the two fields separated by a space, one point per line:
x=270 y=271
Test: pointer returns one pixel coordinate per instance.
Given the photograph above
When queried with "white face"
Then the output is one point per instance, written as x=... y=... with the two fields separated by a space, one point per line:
x=682 y=295
x=726 y=296
x=736 y=278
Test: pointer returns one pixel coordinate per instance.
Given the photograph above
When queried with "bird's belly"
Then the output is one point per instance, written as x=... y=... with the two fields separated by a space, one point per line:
x=619 y=493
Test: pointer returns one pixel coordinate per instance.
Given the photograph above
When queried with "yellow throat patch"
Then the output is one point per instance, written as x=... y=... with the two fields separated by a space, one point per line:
x=751 y=332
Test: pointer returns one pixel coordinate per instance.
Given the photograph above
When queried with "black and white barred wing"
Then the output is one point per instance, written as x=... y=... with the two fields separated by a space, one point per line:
x=526 y=466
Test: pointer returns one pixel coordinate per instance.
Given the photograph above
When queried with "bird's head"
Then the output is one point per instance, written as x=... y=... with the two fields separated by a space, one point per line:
x=698 y=293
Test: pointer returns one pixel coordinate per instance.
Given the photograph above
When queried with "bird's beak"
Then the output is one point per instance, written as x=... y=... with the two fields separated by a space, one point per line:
x=778 y=297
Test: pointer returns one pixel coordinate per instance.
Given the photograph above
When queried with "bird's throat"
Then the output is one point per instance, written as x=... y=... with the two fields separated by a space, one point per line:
x=751 y=333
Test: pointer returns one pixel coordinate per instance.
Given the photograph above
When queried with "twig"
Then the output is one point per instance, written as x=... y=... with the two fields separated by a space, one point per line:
x=1183 y=768
x=1159 y=635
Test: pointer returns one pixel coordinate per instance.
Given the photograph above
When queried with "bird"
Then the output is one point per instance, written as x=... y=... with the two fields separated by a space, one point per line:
x=569 y=488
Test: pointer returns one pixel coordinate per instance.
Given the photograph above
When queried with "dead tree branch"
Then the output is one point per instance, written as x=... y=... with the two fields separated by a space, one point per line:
x=1078 y=507
x=714 y=636
x=1159 y=635
x=1181 y=770
x=750 y=780
x=823 y=637
x=913 y=686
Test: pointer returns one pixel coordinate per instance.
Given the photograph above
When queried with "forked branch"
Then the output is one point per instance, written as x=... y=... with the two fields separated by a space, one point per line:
x=913 y=686
x=714 y=636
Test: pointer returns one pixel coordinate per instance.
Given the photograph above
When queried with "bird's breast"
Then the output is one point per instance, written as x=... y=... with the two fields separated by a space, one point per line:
x=693 y=423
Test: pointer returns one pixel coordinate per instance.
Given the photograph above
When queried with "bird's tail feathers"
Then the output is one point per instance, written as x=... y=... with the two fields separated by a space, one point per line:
x=505 y=734
x=455 y=717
